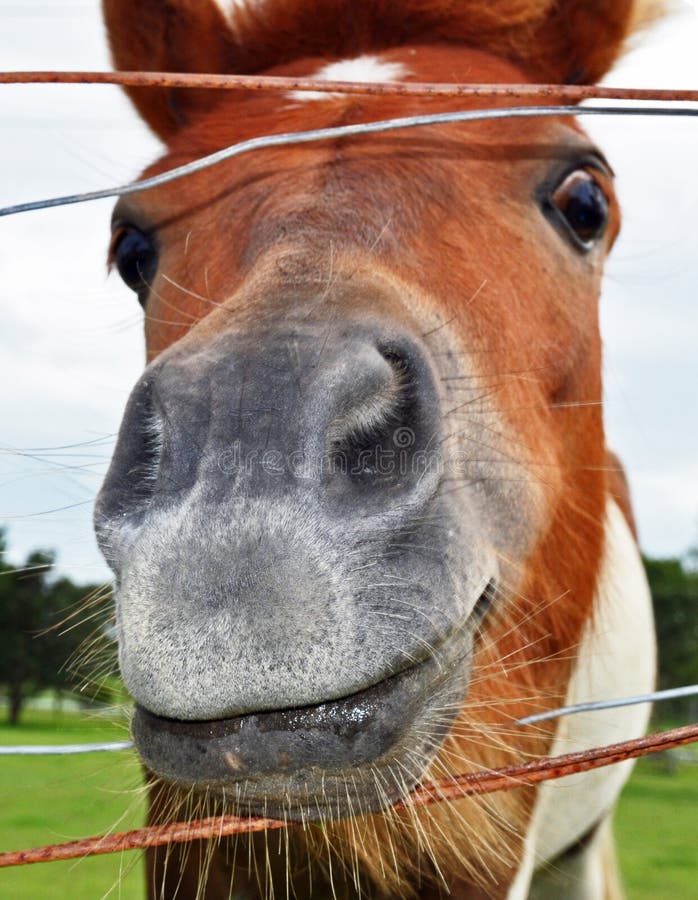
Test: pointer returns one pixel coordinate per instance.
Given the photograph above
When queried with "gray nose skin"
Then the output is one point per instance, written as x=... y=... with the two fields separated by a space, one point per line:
x=274 y=519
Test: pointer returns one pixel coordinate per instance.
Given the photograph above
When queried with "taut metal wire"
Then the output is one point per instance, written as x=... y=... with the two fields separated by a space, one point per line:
x=570 y=93
x=286 y=139
x=276 y=84
x=690 y=690
x=63 y=749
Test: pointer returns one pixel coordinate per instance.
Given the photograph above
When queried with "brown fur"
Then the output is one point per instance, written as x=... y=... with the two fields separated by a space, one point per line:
x=533 y=332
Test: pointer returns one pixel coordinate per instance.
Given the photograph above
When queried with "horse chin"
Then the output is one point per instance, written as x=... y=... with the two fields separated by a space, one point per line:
x=340 y=758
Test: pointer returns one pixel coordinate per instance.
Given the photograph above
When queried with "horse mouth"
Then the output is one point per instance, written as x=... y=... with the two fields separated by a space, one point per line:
x=342 y=757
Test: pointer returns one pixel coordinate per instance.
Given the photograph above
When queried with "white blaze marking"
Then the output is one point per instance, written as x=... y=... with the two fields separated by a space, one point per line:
x=362 y=68
x=230 y=7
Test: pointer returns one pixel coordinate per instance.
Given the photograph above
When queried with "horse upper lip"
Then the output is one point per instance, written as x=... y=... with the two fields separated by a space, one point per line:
x=290 y=716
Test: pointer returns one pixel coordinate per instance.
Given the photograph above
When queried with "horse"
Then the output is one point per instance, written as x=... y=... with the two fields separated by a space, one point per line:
x=361 y=513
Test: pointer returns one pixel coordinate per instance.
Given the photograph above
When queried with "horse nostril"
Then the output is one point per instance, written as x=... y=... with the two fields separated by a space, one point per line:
x=374 y=443
x=485 y=601
x=132 y=479
x=145 y=470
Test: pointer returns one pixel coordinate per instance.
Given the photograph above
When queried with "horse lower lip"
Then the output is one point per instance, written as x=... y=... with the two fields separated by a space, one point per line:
x=335 y=734
x=283 y=754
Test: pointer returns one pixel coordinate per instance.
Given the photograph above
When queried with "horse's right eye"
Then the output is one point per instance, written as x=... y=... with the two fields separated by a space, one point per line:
x=583 y=207
x=135 y=255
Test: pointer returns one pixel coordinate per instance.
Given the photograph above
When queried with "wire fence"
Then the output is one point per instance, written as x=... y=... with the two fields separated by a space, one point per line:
x=467 y=784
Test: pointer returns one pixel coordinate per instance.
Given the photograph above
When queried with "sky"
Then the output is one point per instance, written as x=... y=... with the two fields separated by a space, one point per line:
x=71 y=343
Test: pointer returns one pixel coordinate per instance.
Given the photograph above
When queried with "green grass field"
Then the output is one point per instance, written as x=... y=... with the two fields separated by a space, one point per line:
x=657 y=834
x=51 y=799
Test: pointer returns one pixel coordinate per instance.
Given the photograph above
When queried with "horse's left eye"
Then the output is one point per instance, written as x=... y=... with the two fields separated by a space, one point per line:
x=135 y=255
x=581 y=202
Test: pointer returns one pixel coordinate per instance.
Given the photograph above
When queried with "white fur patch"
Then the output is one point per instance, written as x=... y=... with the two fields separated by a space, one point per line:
x=230 y=7
x=362 y=68
x=617 y=659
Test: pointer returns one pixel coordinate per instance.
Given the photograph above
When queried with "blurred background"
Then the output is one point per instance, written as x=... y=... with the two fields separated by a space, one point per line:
x=71 y=347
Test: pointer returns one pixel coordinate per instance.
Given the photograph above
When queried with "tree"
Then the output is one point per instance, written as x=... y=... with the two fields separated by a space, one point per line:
x=42 y=626
x=674 y=586
x=24 y=601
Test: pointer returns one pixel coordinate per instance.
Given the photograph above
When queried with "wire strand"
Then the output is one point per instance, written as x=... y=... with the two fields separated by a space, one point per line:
x=64 y=749
x=276 y=83
x=342 y=131
x=658 y=696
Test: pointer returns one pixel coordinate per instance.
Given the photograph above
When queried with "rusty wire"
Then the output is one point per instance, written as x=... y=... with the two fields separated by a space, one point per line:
x=573 y=93
x=456 y=788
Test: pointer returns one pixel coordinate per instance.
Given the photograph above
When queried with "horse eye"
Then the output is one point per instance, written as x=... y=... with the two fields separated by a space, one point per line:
x=581 y=202
x=136 y=257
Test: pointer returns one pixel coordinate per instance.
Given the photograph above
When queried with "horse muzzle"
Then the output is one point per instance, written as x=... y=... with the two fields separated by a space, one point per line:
x=289 y=619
